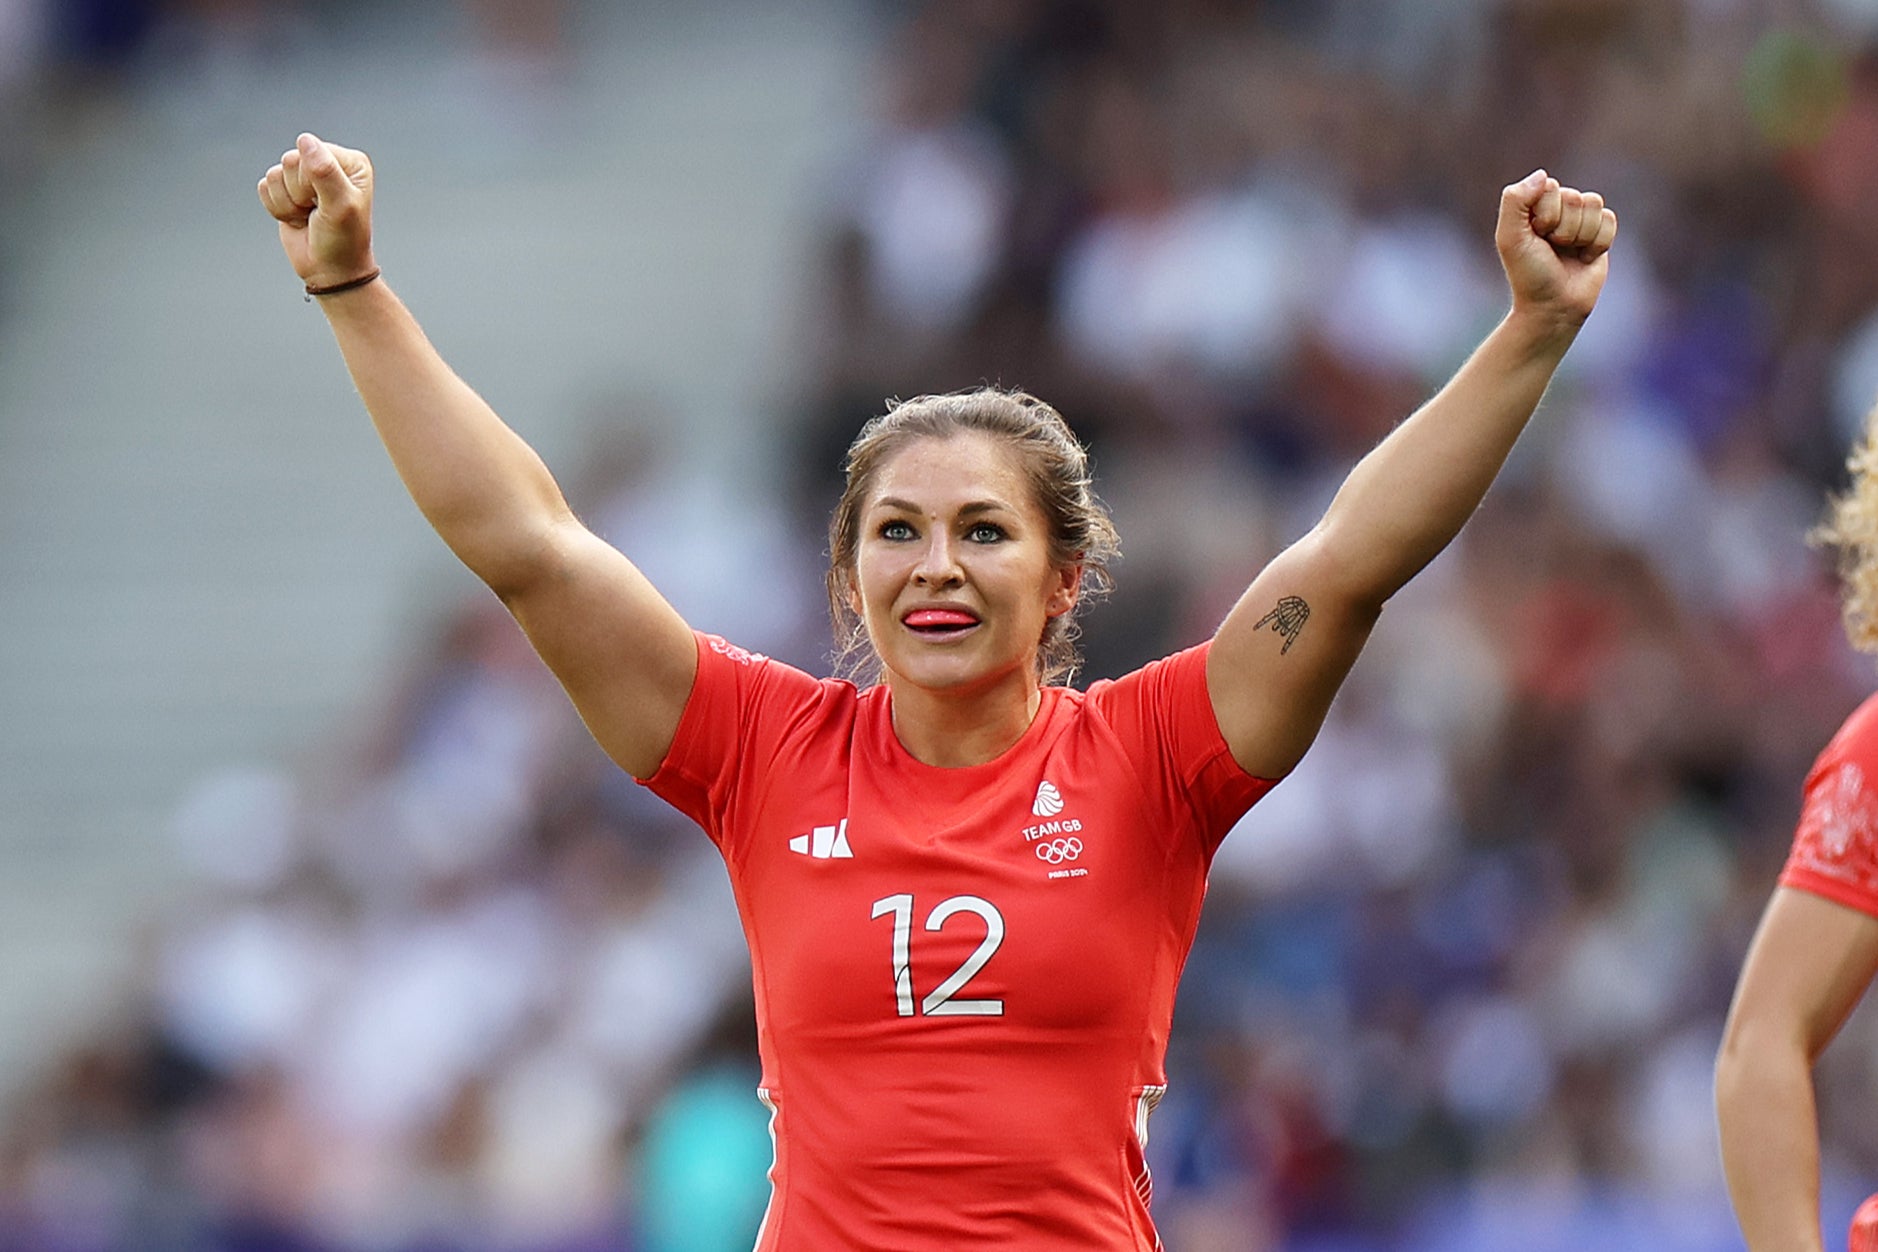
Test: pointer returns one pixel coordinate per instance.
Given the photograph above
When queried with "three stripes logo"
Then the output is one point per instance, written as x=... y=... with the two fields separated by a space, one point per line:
x=825 y=843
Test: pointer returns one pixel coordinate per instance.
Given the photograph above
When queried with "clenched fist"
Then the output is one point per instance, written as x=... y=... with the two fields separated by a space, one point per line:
x=1553 y=243
x=321 y=194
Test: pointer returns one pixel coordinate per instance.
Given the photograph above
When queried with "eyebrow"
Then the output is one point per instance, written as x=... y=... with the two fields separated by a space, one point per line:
x=975 y=507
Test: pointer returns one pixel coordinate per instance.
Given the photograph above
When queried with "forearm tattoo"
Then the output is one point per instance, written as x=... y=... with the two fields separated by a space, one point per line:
x=1286 y=618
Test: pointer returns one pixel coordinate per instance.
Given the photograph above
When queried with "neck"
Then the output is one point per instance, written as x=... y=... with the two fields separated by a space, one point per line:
x=952 y=729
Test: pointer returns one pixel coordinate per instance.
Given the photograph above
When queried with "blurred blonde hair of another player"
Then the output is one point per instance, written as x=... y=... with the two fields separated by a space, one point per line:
x=1851 y=530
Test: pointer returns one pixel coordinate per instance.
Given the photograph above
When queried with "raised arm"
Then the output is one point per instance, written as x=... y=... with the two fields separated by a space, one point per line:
x=1285 y=648
x=624 y=655
x=1809 y=963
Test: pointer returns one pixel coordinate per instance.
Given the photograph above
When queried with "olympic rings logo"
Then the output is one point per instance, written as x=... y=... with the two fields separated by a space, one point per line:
x=1057 y=851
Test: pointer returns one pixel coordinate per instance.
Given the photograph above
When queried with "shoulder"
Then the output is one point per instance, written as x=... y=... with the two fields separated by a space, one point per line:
x=1835 y=842
x=1857 y=737
x=748 y=702
x=749 y=718
x=1848 y=763
x=1165 y=702
x=1162 y=717
x=1164 y=675
x=722 y=662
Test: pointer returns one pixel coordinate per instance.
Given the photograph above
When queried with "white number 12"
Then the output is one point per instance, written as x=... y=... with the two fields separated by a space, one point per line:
x=940 y=1003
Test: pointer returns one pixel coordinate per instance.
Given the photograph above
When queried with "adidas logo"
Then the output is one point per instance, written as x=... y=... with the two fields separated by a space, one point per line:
x=827 y=842
x=1049 y=801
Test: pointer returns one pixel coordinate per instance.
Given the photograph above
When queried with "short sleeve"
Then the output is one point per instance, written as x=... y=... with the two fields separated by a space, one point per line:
x=742 y=707
x=1835 y=846
x=1164 y=716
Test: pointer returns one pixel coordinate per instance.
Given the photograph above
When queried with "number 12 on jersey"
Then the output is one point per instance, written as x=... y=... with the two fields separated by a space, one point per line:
x=941 y=1002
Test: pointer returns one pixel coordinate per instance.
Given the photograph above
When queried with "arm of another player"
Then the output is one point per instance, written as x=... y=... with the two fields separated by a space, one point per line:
x=1810 y=961
x=624 y=655
x=1285 y=648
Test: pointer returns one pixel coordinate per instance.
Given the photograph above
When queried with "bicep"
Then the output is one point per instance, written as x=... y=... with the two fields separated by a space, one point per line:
x=1809 y=964
x=1281 y=654
x=623 y=654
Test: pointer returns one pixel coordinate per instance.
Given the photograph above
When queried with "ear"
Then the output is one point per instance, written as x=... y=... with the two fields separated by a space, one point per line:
x=854 y=596
x=1064 y=593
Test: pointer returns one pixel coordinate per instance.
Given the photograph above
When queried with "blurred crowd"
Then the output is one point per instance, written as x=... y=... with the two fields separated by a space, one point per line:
x=1460 y=978
x=69 y=67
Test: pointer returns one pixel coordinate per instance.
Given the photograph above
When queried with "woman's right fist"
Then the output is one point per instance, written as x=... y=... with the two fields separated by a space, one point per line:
x=321 y=194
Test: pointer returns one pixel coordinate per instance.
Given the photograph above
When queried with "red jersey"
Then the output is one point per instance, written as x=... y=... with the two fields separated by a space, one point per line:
x=964 y=977
x=1835 y=848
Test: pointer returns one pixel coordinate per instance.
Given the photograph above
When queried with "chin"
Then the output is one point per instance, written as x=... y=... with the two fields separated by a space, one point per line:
x=940 y=676
x=949 y=673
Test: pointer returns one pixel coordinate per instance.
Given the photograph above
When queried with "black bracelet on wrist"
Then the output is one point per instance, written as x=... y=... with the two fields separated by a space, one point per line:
x=348 y=285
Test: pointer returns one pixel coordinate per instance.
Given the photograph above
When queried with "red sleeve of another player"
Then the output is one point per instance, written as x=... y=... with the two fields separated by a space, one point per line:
x=1165 y=716
x=741 y=708
x=1835 y=848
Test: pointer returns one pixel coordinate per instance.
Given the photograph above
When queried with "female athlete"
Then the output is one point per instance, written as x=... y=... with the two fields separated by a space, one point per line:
x=1816 y=949
x=967 y=892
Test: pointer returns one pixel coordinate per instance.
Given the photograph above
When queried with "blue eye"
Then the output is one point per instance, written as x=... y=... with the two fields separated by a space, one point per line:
x=985 y=532
x=895 y=530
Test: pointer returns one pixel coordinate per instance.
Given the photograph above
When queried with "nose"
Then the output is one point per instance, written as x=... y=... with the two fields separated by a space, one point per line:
x=938 y=564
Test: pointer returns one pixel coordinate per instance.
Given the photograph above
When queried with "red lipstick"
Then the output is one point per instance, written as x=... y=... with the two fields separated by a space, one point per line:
x=940 y=619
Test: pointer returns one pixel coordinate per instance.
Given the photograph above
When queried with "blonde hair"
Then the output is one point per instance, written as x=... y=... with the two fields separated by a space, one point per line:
x=1851 y=529
x=1053 y=461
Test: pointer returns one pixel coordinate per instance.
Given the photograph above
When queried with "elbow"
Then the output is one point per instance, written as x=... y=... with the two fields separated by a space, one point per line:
x=1733 y=1091
x=1742 y=1038
x=1729 y=1065
x=1752 y=1054
x=1366 y=569
x=512 y=561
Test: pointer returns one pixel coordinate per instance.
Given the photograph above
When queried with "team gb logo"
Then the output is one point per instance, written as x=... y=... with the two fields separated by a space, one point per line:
x=1049 y=801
